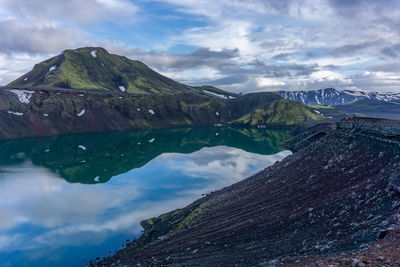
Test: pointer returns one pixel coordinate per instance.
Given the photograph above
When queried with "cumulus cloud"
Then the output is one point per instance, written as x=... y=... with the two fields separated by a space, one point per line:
x=35 y=39
x=80 y=12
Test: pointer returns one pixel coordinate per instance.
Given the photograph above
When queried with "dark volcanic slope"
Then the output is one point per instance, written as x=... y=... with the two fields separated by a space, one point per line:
x=333 y=195
x=46 y=112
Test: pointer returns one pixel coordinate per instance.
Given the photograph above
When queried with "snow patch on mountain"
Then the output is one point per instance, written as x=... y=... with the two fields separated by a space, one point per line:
x=24 y=96
x=333 y=97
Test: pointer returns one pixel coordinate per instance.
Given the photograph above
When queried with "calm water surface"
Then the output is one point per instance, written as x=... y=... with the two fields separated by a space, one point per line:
x=67 y=200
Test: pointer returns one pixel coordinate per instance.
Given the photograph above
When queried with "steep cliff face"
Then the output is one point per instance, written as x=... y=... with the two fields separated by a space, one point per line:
x=40 y=112
x=335 y=194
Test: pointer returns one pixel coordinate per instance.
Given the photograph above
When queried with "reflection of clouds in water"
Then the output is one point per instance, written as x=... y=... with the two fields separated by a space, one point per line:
x=223 y=162
x=77 y=213
x=32 y=195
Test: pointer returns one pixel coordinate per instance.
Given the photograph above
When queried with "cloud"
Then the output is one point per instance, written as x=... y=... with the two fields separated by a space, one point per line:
x=267 y=82
x=75 y=11
x=198 y=58
x=35 y=39
x=391 y=51
x=350 y=49
x=326 y=75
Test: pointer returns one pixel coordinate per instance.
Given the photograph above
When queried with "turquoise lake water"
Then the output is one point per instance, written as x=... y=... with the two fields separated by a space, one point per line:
x=67 y=200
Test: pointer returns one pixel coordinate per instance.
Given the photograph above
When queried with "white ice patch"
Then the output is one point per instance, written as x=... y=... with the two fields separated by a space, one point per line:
x=24 y=96
x=25 y=79
x=138 y=109
x=316 y=111
x=122 y=88
x=53 y=68
x=217 y=113
x=82 y=147
x=97 y=179
x=217 y=134
x=81 y=113
x=45 y=114
x=152 y=140
x=15 y=113
x=219 y=95
x=151 y=111
x=94 y=53
x=47 y=150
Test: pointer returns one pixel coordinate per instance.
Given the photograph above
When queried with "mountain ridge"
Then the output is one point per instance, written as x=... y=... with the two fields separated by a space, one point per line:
x=334 y=97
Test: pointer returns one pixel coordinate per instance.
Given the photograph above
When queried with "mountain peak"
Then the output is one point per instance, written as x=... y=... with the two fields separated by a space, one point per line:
x=94 y=68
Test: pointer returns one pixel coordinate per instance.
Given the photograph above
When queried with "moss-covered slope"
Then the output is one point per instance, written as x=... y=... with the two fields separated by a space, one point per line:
x=269 y=109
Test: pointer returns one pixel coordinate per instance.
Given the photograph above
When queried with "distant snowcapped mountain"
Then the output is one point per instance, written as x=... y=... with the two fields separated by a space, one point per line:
x=333 y=97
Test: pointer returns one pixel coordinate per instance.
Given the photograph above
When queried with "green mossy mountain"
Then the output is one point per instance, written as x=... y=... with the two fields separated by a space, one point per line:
x=90 y=90
x=93 y=68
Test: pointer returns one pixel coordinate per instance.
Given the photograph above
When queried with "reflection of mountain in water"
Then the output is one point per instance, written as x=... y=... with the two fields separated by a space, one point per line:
x=92 y=158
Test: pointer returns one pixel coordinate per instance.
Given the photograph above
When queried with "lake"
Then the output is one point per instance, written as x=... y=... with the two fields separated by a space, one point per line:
x=67 y=200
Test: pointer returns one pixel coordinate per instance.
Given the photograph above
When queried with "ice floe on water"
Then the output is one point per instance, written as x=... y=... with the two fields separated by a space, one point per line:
x=24 y=96
x=15 y=113
x=81 y=113
x=82 y=147
x=97 y=179
x=152 y=140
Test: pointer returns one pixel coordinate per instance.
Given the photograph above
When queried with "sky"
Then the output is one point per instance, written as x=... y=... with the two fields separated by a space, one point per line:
x=241 y=46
